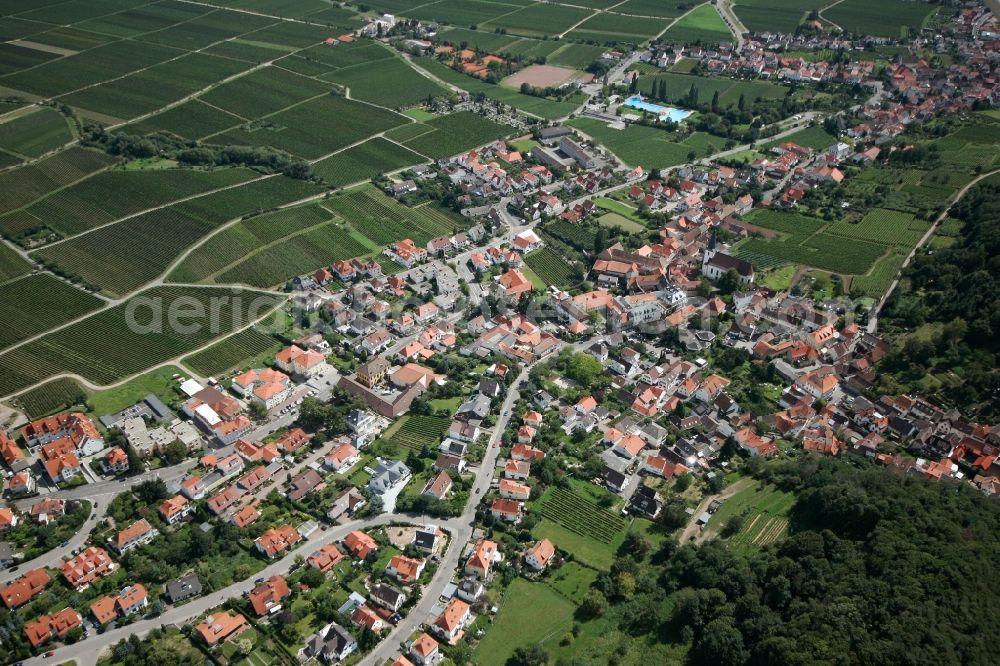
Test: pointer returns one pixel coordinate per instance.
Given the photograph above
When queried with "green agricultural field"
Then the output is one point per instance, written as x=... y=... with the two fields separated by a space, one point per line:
x=51 y=397
x=575 y=56
x=888 y=227
x=362 y=162
x=455 y=133
x=416 y=431
x=487 y=41
x=123 y=256
x=330 y=58
x=14 y=58
x=230 y=246
x=880 y=18
x=35 y=133
x=114 y=194
x=664 y=8
x=822 y=251
x=390 y=83
x=20 y=187
x=91 y=67
x=458 y=12
x=93 y=347
x=314 y=128
x=876 y=282
x=36 y=303
x=550 y=266
x=648 y=147
x=703 y=25
x=231 y=352
x=383 y=220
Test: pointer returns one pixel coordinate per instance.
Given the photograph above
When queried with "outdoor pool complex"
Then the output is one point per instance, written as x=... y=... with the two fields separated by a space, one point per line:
x=664 y=112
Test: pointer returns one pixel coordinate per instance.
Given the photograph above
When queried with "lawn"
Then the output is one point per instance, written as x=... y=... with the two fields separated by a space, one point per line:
x=533 y=613
x=159 y=382
x=574 y=522
x=615 y=220
x=778 y=279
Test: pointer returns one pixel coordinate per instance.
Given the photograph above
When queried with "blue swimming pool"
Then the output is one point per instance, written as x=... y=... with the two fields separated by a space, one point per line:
x=664 y=112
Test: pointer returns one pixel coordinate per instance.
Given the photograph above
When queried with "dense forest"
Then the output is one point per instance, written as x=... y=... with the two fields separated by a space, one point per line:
x=946 y=314
x=879 y=568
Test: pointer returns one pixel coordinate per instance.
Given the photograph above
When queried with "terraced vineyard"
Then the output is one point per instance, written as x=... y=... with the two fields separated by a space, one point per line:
x=36 y=303
x=384 y=220
x=581 y=516
x=108 y=346
x=231 y=352
x=302 y=253
x=242 y=239
x=22 y=186
x=418 y=431
x=362 y=162
x=51 y=397
x=551 y=267
x=111 y=195
x=121 y=257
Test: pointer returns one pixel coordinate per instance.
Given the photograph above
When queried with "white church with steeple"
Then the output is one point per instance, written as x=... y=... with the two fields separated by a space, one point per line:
x=715 y=263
